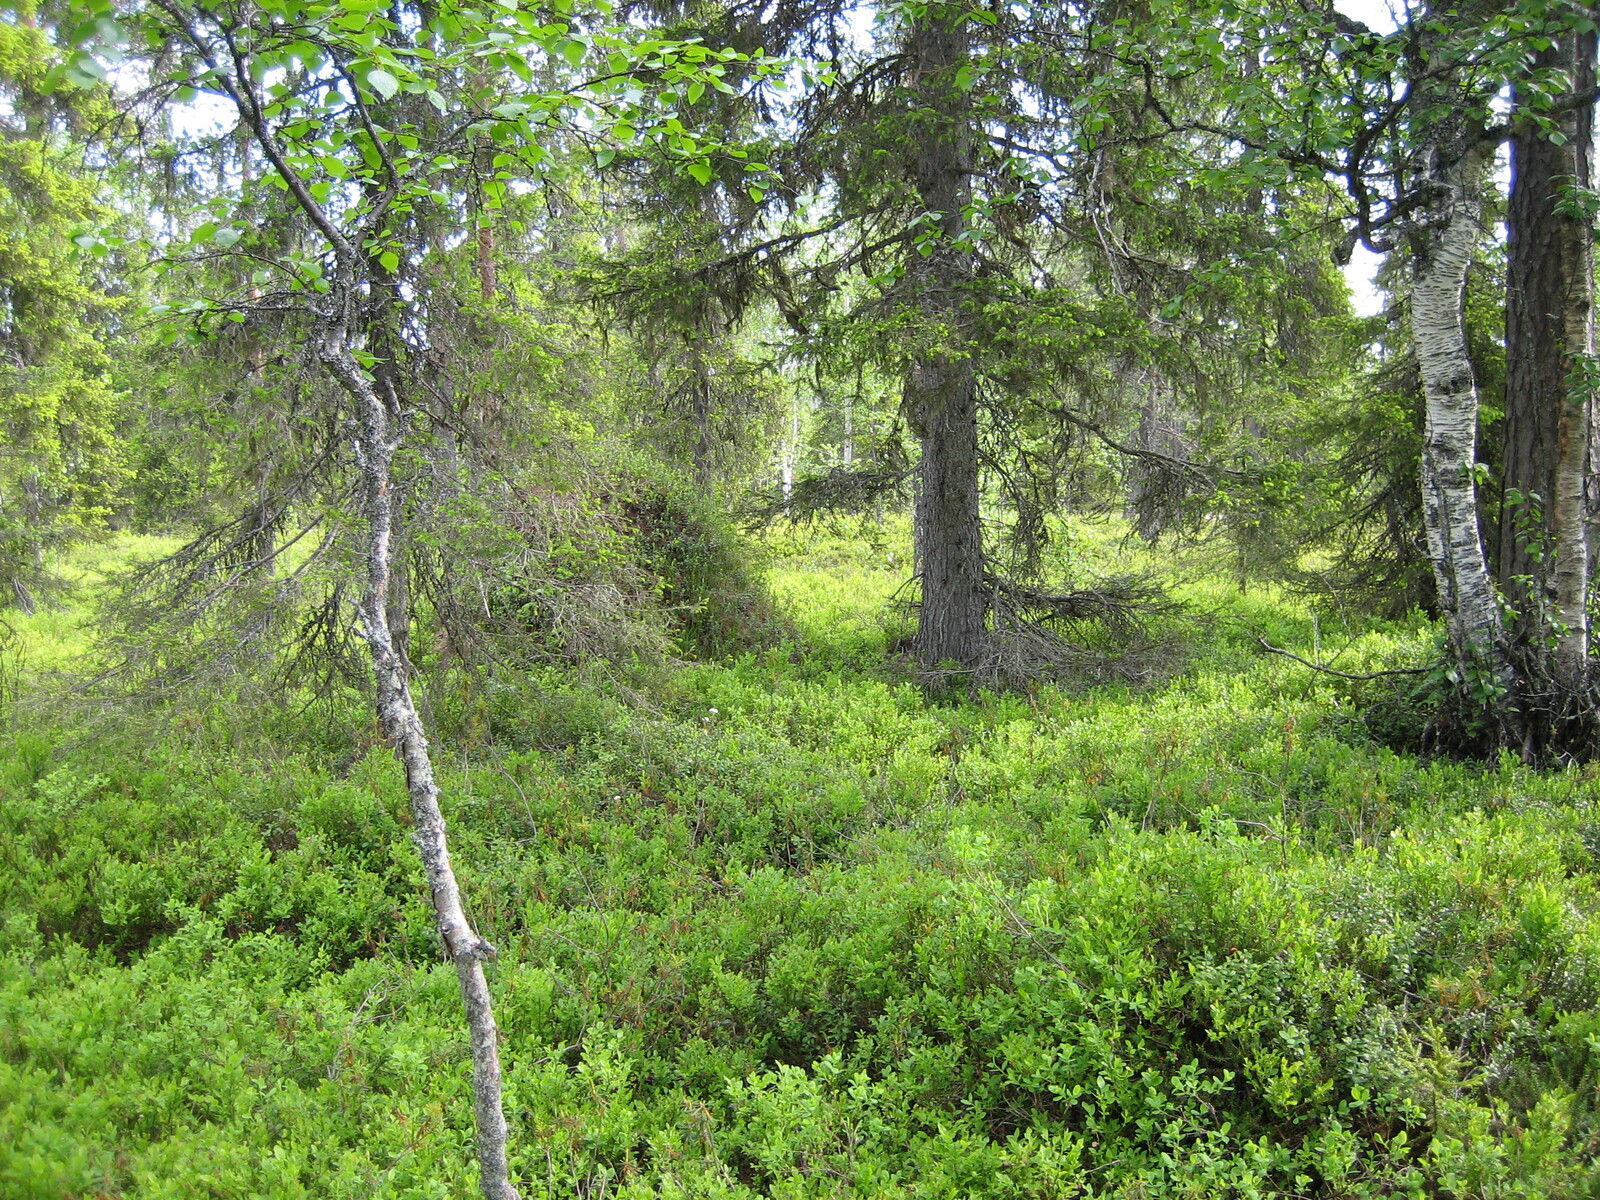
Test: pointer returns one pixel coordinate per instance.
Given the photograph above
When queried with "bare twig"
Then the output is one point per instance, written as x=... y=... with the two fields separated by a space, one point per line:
x=1269 y=647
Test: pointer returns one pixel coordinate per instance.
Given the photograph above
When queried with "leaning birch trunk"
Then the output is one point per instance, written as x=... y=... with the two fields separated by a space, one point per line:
x=1442 y=252
x=380 y=423
x=338 y=337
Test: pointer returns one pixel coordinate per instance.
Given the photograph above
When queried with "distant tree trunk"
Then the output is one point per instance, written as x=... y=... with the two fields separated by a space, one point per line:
x=483 y=217
x=1442 y=248
x=707 y=347
x=941 y=388
x=1148 y=502
x=488 y=276
x=847 y=444
x=1543 y=544
x=703 y=452
x=789 y=448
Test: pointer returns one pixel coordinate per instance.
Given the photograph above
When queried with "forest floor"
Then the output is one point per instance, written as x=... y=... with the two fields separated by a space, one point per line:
x=782 y=926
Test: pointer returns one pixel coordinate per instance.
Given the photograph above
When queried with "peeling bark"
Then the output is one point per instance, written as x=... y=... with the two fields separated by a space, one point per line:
x=1442 y=251
x=355 y=317
x=380 y=425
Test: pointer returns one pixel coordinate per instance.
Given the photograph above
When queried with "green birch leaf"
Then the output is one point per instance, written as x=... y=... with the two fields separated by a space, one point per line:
x=385 y=84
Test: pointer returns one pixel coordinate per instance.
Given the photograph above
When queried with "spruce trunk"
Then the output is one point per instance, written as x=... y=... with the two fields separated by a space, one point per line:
x=941 y=387
x=1550 y=411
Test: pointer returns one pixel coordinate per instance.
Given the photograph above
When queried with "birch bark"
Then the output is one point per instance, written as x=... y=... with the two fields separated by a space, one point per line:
x=380 y=424
x=1442 y=249
x=1575 y=438
x=352 y=304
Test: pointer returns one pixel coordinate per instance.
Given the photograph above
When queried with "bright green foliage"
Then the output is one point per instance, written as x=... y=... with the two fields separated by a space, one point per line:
x=1312 y=93
x=792 y=931
x=370 y=115
x=773 y=924
x=61 y=468
x=361 y=134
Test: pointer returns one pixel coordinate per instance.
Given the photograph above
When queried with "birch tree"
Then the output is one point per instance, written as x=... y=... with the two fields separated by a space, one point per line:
x=1527 y=693
x=365 y=114
x=1404 y=120
x=1442 y=243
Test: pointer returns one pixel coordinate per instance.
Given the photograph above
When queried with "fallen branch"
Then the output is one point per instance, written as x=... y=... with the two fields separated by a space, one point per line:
x=1269 y=647
x=1121 y=604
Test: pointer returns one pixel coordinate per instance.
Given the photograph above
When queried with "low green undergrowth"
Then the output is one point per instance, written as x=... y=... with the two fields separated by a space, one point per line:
x=778 y=926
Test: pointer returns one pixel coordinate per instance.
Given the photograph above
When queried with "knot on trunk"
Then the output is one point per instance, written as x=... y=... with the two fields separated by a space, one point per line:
x=464 y=944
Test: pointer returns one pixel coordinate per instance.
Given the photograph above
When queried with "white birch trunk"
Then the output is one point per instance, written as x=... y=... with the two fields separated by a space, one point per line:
x=1569 y=520
x=1449 y=450
x=1569 y=516
x=380 y=423
x=337 y=338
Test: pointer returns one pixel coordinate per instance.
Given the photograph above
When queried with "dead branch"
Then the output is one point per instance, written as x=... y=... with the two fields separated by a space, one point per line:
x=1326 y=670
x=839 y=491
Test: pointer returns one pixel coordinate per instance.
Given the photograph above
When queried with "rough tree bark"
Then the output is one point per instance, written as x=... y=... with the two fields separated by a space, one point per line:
x=940 y=394
x=1543 y=543
x=488 y=274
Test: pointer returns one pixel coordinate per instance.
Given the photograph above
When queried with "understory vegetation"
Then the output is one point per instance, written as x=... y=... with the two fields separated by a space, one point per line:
x=780 y=925
x=964 y=649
